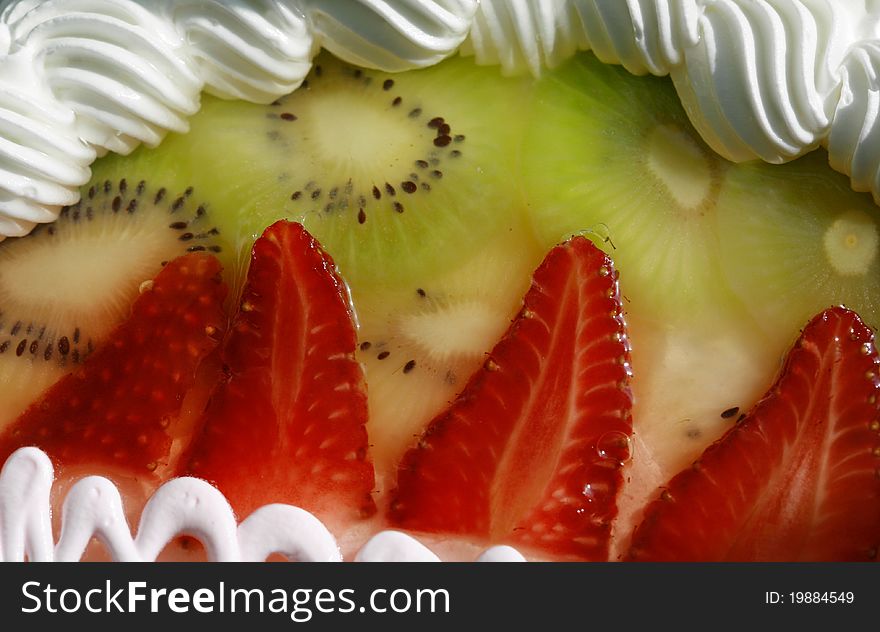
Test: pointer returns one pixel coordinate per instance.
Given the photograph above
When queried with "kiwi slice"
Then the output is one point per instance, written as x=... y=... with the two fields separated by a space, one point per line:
x=615 y=156
x=388 y=171
x=64 y=287
x=420 y=343
x=797 y=239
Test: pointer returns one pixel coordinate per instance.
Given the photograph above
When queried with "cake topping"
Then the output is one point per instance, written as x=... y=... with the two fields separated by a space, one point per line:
x=291 y=407
x=79 y=78
x=116 y=74
x=759 y=80
x=93 y=508
x=532 y=450
x=665 y=160
x=117 y=412
x=796 y=479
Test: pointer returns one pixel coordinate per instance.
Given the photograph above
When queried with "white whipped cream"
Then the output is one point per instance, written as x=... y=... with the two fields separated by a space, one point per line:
x=93 y=508
x=643 y=35
x=79 y=78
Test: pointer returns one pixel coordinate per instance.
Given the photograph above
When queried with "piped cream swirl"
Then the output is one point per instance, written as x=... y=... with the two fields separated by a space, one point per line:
x=93 y=509
x=390 y=35
x=645 y=36
x=255 y=51
x=775 y=99
x=854 y=140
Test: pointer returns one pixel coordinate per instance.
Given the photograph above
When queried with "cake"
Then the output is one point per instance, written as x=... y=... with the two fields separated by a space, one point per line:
x=435 y=242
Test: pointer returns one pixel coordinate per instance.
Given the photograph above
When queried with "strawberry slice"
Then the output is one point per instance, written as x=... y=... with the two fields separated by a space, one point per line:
x=531 y=451
x=116 y=410
x=287 y=422
x=799 y=478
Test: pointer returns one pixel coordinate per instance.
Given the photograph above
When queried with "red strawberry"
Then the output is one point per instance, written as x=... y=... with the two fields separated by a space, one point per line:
x=117 y=408
x=531 y=451
x=799 y=478
x=287 y=424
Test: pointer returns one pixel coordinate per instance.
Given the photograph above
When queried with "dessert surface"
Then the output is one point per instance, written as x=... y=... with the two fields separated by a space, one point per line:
x=440 y=342
x=82 y=78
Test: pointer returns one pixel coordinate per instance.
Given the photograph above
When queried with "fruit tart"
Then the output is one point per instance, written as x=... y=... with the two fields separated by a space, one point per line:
x=456 y=280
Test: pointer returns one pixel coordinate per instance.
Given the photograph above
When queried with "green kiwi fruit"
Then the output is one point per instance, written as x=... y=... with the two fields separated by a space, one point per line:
x=64 y=287
x=797 y=239
x=615 y=155
x=419 y=344
x=395 y=174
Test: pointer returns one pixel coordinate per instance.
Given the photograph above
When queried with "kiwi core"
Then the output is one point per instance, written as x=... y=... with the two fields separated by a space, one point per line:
x=459 y=329
x=851 y=243
x=54 y=277
x=680 y=165
x=374 y=141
